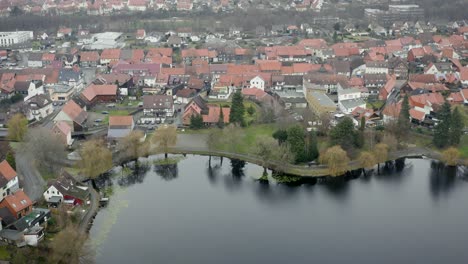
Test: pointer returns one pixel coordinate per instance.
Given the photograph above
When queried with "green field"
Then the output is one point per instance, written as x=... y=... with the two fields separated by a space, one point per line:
x=464 y=146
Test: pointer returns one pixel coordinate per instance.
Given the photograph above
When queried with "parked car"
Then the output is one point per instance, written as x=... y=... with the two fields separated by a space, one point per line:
x=104 y=112
x=98 y=120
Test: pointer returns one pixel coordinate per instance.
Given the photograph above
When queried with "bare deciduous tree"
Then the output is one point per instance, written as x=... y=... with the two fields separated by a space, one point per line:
x=164 y=138
x=72 y=247
x=366 y=160
x=336 y=159
x=133 y=145
x=44 y=148
x=95 y=158
x=451 y=156
x=17 y=127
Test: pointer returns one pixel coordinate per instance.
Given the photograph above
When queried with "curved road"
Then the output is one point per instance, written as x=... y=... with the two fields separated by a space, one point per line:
x=29 y=177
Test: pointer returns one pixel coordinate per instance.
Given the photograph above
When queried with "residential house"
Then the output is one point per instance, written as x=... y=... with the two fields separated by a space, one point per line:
x=73 y=115
x=426 y=103
x=398 y=67
x=120 y=127
x=391 y=112
x=376 y=67
x=140 y=34
x=439 y=68
x=65 y=189
x=71 y=77
x=8 y=179
x=110 y=55
x=18 y=204
x=185 y=95
x=63 y=132
x=89 y=58
x=158 y=105
x=35 y=60
x=39 y=107
x=257 y=82
x=210 y=112
x=29 y=89
x=60 y=92
x=99 y=94
x=349 y=99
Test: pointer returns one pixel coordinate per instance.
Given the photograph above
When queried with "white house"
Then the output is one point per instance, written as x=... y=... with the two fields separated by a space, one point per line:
x=67 y=190
x=8 y=179
x=257 y=82
x=39 y=107
x=376 y=67
x=34 y=88
x=33 y=235
x=350 y=99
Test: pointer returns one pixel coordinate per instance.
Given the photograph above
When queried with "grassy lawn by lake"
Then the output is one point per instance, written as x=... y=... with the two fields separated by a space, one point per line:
x=464 y=146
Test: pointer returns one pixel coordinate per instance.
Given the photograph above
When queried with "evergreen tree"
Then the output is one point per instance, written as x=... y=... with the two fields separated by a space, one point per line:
x=281 y=136
x=441 y=133
x=363 y=123
x=221 y=117
x=196 y=122
x=237 y=109
x=312 y=149
x=10 y=158
x=344 y=134
x=456 y=127
x=296 y=141
x=403 y=122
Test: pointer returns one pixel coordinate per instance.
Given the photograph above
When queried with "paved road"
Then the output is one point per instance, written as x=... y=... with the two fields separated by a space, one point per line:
x=91 y=212
x=30 y=179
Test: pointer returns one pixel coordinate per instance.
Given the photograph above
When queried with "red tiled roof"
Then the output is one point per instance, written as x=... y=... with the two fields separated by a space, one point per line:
x=269 y=65
x=313 y=43
x=89 y=56
x=173 y=71
x=74 y=111
x=214 y=113
x=7 y=171
x=423 y=99
x=392 y=109
x=48 y=57
x=62 y=127
x=120 y=120
x=418 y=115
x=99 y=90
x=167 y=52
x=17 y=201
x=456 y=98
x=110 y=54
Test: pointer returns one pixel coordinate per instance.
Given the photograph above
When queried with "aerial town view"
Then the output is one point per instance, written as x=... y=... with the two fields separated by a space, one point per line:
x=233 y=131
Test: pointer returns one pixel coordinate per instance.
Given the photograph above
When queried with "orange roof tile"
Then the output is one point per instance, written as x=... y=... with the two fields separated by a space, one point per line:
x=7 y=171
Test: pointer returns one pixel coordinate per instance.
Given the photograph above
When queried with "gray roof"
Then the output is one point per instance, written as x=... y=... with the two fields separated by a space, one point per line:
x=69 y=74
x=35 y=57
x=21 y=86
x=351 y=103
x=118 y=132
x=61 y=88
x=323 y=99
x=11 y=235
x=289 y=94
x=39 y=101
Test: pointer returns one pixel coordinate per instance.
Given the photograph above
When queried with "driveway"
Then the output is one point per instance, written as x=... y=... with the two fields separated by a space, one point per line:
x=29 y=177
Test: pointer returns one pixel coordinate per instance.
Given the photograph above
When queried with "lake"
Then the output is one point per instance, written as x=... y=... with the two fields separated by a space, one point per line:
x=188 y=213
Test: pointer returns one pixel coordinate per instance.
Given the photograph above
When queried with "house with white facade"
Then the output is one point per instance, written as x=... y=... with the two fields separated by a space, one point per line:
x=39 y=107
x=257 y=82
x=350 y=99
x=8 y=180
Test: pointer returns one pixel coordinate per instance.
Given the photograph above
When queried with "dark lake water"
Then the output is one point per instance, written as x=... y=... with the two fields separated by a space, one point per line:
x=187 y=213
